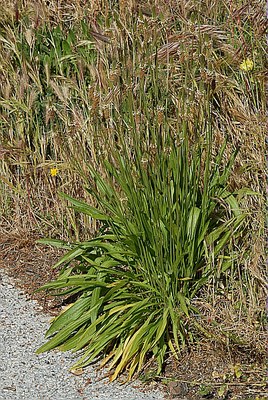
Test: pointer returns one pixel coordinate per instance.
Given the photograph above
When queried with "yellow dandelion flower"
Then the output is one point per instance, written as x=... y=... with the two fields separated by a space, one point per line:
x=54 y=171
x=246 y=65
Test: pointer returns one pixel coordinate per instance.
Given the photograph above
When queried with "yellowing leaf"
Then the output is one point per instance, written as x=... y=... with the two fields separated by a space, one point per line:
x=237 y=371
x=77 y=371
x=222 y=390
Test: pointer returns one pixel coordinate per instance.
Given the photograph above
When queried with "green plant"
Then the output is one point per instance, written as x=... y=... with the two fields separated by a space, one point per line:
x=166 y=217
x=205 y=391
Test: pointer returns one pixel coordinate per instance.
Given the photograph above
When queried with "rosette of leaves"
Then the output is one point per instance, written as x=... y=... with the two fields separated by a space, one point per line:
x=165 y=220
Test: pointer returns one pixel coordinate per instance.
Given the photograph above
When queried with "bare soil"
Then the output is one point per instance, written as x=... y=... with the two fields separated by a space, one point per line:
x=30 y=266
x=208 y=370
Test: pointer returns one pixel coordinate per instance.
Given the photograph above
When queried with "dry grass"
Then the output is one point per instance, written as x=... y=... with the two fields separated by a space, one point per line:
x=58 y=109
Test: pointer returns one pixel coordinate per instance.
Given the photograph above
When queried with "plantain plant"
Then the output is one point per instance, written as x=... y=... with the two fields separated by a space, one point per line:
x=166 y=216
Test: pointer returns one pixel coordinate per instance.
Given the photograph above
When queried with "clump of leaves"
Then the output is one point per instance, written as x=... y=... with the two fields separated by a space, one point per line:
x=167 y=216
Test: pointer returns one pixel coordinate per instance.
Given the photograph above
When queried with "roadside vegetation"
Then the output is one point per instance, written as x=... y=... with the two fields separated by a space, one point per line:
x=133 y=137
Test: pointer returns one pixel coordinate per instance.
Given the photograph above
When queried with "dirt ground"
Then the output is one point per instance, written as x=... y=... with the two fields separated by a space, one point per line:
x=206 y=371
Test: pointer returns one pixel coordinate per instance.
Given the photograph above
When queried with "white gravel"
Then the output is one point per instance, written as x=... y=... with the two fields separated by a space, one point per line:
x=25 y=375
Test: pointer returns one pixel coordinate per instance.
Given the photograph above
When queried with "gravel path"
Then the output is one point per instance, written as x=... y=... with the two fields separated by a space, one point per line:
x=25 y=375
